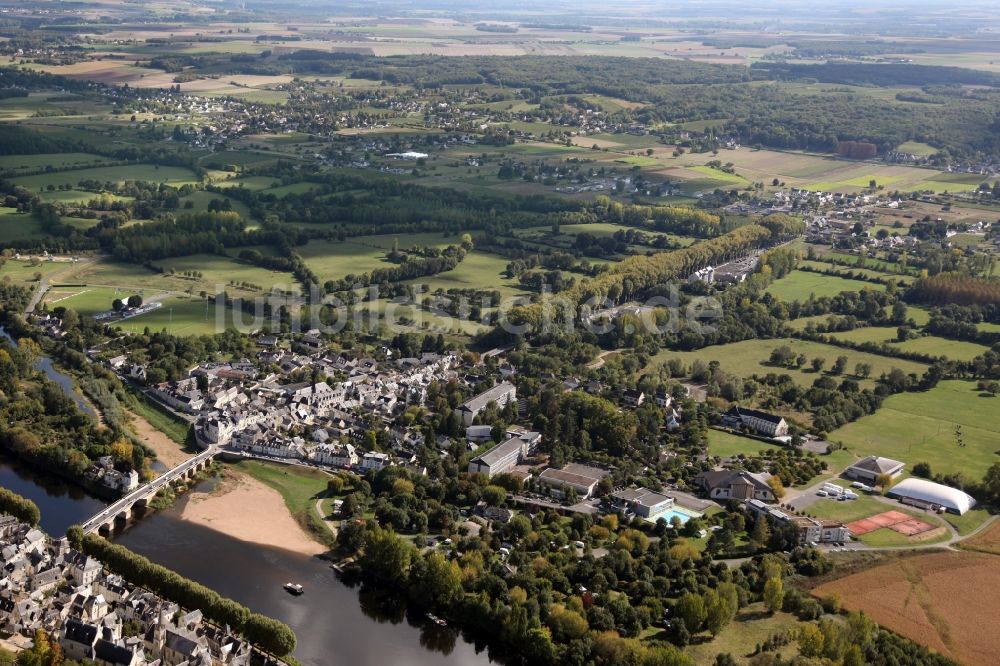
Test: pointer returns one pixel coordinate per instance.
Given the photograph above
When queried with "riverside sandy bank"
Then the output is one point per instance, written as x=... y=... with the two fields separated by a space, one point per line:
x=246 y=509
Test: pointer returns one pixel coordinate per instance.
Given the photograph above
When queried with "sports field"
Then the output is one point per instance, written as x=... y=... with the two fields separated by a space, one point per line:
x=189 y=316
x=92 y=300
x=876 y=523
x=920 y=427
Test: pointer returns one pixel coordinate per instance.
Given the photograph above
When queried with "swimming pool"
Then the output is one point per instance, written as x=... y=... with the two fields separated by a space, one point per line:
x=680 y=512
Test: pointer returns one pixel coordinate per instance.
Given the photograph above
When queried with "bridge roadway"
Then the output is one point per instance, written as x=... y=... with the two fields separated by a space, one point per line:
x=122 y=509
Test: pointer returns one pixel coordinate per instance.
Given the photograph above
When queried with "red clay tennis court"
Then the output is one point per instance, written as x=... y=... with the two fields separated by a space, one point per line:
x=894 y=520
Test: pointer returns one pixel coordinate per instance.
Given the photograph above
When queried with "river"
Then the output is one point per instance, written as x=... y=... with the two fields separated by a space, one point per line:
x=335 y=623
x=44 y=363
x=61 y=503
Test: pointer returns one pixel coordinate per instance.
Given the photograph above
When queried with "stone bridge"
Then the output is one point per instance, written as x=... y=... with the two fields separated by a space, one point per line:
x=122 y=509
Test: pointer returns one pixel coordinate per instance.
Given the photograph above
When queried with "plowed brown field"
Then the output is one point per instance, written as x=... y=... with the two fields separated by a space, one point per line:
x=946 y=601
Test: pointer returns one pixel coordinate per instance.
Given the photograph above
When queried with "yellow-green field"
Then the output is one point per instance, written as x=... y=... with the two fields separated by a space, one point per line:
x=751 y=357
x=801 y=285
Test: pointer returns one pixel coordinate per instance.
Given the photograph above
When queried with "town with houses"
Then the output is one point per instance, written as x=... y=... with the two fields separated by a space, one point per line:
x=246 y=412
x=97 y=617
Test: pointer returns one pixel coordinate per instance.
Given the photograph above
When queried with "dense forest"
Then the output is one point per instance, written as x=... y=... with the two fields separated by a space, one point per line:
x=875 y=74
x=781 y=116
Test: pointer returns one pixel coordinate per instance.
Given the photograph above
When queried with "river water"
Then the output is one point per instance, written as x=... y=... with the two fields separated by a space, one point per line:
x=44 y=364
x=335 y=623
x=61 y=503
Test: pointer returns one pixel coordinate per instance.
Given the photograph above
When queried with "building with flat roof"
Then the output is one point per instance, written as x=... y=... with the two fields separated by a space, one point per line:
x=506 y=455
x=645 y=503
x=500 y=394
x=581 y=478
x=811 y=530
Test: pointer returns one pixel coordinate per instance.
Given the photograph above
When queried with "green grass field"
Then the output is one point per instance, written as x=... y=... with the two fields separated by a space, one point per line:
x=89 y=300
x=188 y=316
x=727 y=445
x=750 y=357
x=968 y=521
x=217 y=272
x=55 y=160
x=566 y=237
x=200 y=200
x=866 y=272
x=294 y=188
x=17 y=226
x=385 y=241
x=334 y=260
x=752 y=626
x=920 y=316
x=175 y=176
x=800 y=285
x=479 y=270
x=945 y=182
x=920 y=427
x=220 y=272
x=252 y=182
x=404 y=318
x=875 y=334
x=172 y=426
x=955 y=350
x=917 y=148
x=77 y=197
x=22 y=272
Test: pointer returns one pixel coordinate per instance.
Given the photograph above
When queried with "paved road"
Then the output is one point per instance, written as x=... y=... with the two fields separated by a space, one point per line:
x=43 y=287
x=43 y=284
x=330 y=524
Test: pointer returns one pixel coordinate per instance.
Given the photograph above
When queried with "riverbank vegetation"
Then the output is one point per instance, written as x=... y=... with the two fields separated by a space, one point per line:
x=169 y=424
x=20 y=507
x=551 y=603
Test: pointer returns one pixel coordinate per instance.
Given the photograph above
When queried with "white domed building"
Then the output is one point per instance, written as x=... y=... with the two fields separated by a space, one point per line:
x=927 y=494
